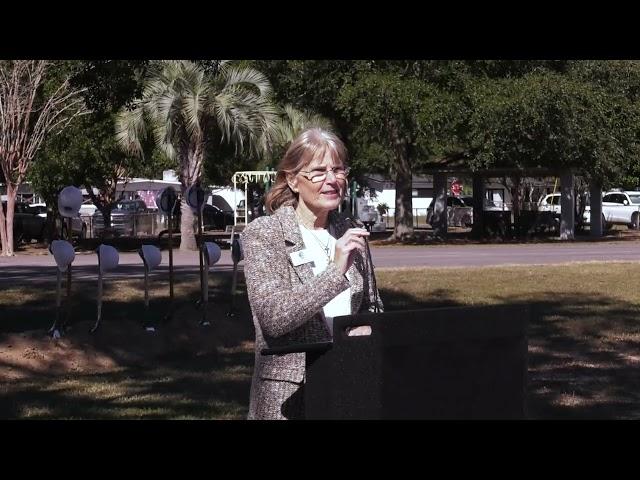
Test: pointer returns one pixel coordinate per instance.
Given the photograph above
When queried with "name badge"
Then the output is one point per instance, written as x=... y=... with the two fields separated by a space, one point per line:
x=300 y=257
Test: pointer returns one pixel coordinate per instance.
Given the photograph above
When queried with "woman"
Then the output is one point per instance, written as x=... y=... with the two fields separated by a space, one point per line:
x=304 y=265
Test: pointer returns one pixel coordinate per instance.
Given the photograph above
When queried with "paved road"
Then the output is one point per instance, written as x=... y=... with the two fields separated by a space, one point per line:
x=41 y=268
x=487 y=255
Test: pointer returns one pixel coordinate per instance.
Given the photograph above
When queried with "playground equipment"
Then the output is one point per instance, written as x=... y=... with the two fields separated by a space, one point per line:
x=257 y=176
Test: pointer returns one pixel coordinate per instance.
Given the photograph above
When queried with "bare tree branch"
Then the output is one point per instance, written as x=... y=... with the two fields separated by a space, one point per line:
x=27 y=115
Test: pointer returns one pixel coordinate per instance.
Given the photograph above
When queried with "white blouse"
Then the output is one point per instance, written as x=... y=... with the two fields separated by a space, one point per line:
x=321 y=247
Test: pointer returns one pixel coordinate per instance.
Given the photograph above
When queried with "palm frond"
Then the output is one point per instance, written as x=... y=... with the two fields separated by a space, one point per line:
x=248 y=78
x=130 y=130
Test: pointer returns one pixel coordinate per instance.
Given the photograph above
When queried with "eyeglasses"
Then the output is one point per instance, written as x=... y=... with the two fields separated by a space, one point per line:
x=320 y=174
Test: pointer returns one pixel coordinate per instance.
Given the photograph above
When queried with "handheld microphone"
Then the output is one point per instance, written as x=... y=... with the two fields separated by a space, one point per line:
x=356 y=223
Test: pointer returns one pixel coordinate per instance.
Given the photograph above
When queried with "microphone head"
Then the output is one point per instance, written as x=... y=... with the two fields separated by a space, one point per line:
x=354 y=222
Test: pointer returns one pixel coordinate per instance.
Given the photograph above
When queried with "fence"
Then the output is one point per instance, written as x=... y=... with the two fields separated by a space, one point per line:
x=148 y=224
x=419 y=218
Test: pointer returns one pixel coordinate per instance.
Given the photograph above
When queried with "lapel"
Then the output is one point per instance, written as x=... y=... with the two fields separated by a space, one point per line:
x=293 y=240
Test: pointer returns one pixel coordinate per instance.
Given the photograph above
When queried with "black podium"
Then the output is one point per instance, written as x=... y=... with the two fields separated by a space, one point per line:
x=445 y=363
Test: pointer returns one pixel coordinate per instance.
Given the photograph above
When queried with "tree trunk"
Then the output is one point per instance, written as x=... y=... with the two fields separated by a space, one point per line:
x=187 y=227
x=105 y=210
x=516 y=203
x=440 y=215
x=477 y=230
x=6 y=229
x=404 y=204
x=3 y=233
x=190 y=173
x=105 y=200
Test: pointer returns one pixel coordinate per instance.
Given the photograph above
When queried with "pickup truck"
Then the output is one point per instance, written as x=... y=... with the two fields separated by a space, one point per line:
x=27 y=224
x=128 y=218
x=459 y=213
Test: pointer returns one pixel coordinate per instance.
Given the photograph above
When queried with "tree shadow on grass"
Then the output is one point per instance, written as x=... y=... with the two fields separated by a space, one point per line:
x=201 y=388
x=583 y=358
x=182 y=370
x=583 y=355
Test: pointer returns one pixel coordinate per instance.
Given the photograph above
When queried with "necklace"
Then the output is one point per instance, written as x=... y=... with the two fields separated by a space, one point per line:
x=304 y=222
x=324 y=246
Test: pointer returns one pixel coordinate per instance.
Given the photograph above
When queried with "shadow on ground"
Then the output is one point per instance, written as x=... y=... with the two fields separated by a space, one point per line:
x=583 y=358
x=584 y=353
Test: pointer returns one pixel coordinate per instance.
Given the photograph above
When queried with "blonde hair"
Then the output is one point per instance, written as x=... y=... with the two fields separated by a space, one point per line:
x=310 y=144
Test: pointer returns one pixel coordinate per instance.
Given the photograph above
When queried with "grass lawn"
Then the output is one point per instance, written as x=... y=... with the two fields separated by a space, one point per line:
x=584 y=341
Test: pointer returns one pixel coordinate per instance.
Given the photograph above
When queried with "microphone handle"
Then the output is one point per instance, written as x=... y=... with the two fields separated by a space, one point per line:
x=355 y=223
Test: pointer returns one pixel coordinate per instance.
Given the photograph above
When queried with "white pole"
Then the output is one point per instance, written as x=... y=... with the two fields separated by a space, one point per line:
x=235 y=202
x=246 y=202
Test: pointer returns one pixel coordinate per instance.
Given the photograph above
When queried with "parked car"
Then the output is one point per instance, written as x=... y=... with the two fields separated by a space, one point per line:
x=489 y=205
x=368 y=215
x=78 y=225
x=459 y=214
x=128 y=217
x=618 y=207
x=27 y=223
x=87 y=209
x=622 y=208
x=215 y=218
x=256 y=207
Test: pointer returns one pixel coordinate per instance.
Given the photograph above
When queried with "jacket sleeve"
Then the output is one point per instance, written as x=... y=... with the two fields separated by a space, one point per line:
x=279 y=306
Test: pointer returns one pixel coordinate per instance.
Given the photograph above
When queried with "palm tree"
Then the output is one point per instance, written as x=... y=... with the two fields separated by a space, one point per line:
x=293 y=121
x=186 y=109
x=290 y=123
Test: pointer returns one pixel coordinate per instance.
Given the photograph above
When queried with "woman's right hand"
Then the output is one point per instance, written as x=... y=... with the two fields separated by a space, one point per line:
x=352 y=240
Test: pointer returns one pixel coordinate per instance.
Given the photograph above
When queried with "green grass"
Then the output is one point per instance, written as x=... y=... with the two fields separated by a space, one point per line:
x=584 y=344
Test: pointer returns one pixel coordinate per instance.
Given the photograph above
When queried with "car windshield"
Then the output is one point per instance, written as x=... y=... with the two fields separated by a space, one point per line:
x=635 y=199
x=131 y=207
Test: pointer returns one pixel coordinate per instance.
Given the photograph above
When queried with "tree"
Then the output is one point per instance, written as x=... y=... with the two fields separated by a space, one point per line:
x=86 y=153
x=30 y=110
x=490 y=113
x=188 y=111
x=399 y=122
x=549 y=120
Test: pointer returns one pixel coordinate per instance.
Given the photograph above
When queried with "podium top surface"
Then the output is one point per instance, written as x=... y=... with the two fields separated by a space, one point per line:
x=412 y=327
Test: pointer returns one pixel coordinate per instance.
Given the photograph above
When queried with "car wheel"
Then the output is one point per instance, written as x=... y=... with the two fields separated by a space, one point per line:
x=466 y=221
x=605 y=226
x=634 y=222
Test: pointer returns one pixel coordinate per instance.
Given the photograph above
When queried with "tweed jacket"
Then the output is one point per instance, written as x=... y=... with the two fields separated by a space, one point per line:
x=286 y=303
